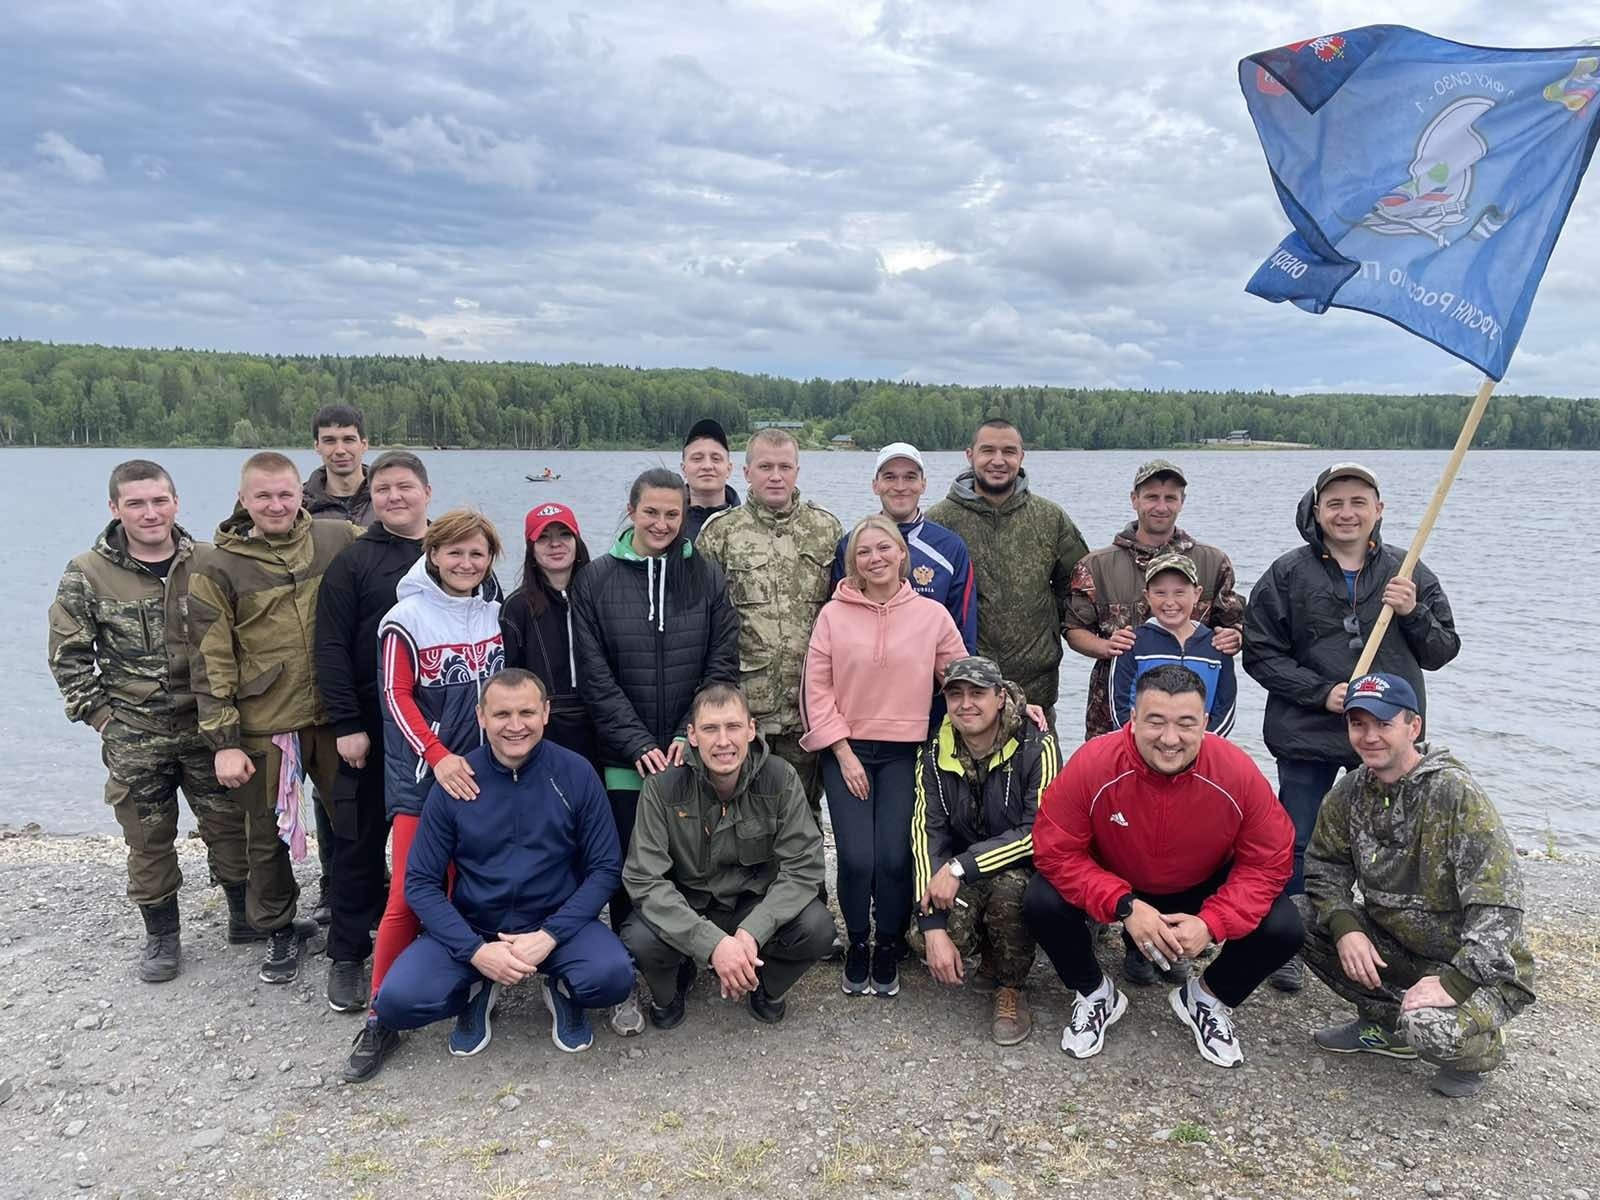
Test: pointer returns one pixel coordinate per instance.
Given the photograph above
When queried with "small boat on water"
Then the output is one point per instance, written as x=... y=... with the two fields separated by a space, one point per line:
x=547 y=477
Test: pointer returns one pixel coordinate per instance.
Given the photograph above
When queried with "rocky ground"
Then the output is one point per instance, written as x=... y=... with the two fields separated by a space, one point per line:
x=217 y=1085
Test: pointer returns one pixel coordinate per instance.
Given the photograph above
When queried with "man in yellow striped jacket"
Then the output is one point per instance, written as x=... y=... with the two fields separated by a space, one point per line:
x=979 y=781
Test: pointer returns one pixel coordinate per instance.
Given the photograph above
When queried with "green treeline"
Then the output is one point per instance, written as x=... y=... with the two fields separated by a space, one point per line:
x=94 y=395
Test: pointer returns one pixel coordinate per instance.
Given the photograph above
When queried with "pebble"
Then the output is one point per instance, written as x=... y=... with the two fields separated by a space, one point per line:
x=1577 y=1194
x=7 y=1089
x=546 y=1144
x=962 y=1191
x=635 y=1052
x=509 y=1104
x=1433 y=1187
x=208 y=1139
x=74 y=1128
x=286 y=1064
x=1002 y=1189
x=89 y=1022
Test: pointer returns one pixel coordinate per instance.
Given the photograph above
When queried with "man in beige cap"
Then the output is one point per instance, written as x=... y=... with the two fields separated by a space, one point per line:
x=1106 y=603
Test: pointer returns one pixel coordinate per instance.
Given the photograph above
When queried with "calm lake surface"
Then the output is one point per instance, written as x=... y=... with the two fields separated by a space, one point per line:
x=1518 y=572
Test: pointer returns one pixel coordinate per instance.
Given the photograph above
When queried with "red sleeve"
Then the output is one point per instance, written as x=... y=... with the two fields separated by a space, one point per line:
x=399 y=698
x=1061 y=839
x=1263 y=857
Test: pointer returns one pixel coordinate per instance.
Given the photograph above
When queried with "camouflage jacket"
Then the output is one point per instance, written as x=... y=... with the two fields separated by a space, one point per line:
x=1436 y=870
x=1023 y=553
x=1107 y=594
x=119 y=637
x=778 y=567
x=252 y=627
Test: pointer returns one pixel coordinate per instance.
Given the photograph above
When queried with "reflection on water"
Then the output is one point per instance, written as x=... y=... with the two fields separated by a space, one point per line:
x=1515 y=564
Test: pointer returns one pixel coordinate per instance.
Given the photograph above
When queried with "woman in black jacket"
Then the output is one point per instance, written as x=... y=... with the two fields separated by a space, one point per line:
x=536 y=622
x=652 y=624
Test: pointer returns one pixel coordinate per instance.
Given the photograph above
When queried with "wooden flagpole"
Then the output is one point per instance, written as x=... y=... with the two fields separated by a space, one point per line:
x=1469 y=429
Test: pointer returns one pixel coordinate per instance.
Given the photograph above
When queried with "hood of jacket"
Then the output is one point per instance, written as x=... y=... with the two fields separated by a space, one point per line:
x=112 y=545
x=1179 y=543
x=235 y=535
x=771 y=516
x=420 y=587
x=964 y=491
x=952 y=749
x=623 y=549
x=848 y=594
x=655 y=568
x=317 y=495
x=1305 y=519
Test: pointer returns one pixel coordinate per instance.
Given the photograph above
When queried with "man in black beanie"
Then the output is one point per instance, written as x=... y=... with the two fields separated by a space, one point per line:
x=706 y=468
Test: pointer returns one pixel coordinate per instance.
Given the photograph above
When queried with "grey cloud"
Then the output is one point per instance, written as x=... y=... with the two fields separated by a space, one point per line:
x=74 y=163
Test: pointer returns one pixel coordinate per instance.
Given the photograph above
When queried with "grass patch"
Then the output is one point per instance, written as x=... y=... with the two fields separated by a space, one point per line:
x=502 y=1188
x=716 y=1161
x=671 y=1119
x=481 y=1157
x=1568 y=964
x=359 y=1166
x=1189 y=1134
x=888 y=1163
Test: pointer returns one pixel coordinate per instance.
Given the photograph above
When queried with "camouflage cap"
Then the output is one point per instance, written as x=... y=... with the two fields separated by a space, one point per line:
x=1157 y=466
x=1181 y=563
x=976 y=670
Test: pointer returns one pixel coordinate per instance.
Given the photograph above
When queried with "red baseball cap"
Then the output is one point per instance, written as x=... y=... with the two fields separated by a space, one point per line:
x=549 y=514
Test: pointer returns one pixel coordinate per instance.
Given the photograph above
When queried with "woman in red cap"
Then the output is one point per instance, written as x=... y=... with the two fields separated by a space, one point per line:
x=536 y=621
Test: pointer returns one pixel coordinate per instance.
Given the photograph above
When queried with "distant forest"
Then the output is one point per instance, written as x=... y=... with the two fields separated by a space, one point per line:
x=102 y=396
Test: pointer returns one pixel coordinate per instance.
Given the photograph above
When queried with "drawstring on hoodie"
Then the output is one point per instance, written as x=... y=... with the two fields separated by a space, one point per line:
x=572 y=653
x=657 y=592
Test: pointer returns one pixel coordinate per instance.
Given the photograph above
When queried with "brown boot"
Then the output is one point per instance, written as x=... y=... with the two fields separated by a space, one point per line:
x=983 y=979
x=1012 y=1020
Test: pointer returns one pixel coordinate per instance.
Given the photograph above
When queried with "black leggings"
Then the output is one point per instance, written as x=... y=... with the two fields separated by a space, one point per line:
x=624 y=808
x=873 y=837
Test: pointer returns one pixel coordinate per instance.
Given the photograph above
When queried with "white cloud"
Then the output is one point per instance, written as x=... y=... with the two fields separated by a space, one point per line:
x=76 y=164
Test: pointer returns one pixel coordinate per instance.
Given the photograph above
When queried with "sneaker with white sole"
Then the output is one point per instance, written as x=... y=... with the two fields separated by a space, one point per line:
x=1092 y=1015
x=1363 y=1037
x=569 y=1023
x=472 y=1031
x=1210 y=1022
x=627 y=1019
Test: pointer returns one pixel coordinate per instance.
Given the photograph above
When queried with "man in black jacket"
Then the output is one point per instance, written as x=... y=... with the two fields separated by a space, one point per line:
x=1308 y=618
x=979 y=781
x=358 y=589
x=706 y=469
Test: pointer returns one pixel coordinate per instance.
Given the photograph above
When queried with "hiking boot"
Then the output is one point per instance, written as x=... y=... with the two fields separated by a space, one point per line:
x=1085 y=1033
x=1363 y=1037
x=345 y=993
x=627 y=1019
x=670 y=1015
x=471 y=1033
x=322 y=914
x=285 y=947
x=1137 y=970
x=569 y=1023
x=371 y=1046
x=856 y=979
x=1210 y=1022
x=764 y=1008
x=240 y=931
x=1291 y=977
x=1012 y=1021
x=162 y=953
x=1457 y=1084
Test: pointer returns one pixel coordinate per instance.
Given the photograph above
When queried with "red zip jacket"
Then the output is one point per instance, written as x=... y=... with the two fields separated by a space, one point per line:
x=1110 y=825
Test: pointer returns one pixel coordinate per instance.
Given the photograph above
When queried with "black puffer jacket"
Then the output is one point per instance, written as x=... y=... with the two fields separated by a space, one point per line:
x=641 y=656
x=1296 y=645
x=543 y=644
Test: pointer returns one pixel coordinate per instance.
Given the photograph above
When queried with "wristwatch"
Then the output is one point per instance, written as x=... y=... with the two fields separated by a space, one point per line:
x=956 y=869
x=1125 y=907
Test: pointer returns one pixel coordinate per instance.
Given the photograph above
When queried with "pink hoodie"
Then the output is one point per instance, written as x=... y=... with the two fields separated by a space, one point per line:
x=872 y=668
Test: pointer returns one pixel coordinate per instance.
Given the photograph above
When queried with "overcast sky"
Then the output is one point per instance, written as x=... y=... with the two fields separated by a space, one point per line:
x=995 y=192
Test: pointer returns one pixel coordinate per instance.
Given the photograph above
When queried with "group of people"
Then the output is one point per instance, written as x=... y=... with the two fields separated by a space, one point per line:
x=648 y=734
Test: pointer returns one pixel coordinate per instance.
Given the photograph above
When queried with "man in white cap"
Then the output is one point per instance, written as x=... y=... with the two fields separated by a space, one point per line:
x=940 y=567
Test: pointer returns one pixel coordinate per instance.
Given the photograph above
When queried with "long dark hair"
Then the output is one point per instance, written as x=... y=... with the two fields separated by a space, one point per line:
x=534 y=591
x=685 y=575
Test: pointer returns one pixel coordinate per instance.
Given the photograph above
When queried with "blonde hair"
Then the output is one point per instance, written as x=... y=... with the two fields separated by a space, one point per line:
x=883 y=525
x=458 y=525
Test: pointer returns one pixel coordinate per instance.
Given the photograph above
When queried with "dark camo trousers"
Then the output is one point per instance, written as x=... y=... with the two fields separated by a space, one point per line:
x=272 y=892
x=787 y=747
x=992 y=921
x=144 y=773
x=1468 y=1037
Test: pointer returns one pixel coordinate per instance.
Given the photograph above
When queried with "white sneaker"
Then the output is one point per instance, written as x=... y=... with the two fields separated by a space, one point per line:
x=627 y=1019
x=1210 y=1022
x=1092 y=1015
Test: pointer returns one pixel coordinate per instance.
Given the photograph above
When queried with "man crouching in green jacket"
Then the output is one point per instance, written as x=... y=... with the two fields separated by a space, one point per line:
x=724 y=869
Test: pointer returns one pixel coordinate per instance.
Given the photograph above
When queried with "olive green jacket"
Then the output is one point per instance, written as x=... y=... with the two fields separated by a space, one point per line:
x=252 y=626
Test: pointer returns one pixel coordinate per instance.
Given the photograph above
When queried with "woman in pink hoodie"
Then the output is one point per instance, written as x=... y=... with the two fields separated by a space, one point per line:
x=878 y=653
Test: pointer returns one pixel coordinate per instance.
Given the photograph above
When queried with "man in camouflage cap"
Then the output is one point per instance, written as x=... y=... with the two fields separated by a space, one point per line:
x=1433 y=957
x=777 y=552
x=978 y=784
x=119 y=653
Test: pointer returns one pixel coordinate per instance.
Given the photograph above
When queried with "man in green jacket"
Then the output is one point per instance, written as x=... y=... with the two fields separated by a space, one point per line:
x=252 y=629
x=120 y=655
x=724 y=869
x=1023 y=550
x=1433 y=956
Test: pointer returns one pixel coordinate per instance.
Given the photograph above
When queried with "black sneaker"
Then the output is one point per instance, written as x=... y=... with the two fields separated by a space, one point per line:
x=345 y=993
x=1291 y=977
x=285 y=947
x=886 y=968
x=764 y=1008
x=856 y=979
x=1137 y=969
x=372 y=1045
x=670 y=1015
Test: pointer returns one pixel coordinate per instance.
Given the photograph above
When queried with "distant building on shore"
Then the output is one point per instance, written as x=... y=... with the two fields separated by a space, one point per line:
x=842 y=442
x=790 y=425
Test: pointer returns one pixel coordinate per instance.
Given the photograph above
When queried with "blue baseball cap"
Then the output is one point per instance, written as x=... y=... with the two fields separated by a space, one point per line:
x=1384 y=696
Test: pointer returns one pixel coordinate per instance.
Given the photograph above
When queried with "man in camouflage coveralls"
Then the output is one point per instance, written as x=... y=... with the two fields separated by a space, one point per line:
x=978 y=784
x=1434 y=957
x=1107 y=604
x=119 y=653
x=777 y=552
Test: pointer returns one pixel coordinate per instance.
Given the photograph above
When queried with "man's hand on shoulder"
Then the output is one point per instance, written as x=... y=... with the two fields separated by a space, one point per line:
x=1227 y=640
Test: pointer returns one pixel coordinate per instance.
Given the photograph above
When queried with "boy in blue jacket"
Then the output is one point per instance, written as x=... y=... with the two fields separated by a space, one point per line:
x=536 y=858
x=1172 y=635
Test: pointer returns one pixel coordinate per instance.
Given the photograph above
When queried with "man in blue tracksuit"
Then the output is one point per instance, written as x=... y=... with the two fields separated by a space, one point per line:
x=536 y=858
x=940 y=567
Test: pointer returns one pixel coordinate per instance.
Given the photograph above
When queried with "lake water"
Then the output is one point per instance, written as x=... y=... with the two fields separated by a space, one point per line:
x=1515 y=565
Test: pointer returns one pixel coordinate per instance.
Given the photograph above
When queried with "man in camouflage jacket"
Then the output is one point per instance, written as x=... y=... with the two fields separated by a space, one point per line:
x=1433 y=956
x=119 y=653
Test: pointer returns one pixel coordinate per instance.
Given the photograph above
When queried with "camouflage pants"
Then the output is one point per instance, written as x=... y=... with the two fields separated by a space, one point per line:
x=1468 y=1037
x=272 y=892
x=991 y=924
x=787 y=747
x=144 y=773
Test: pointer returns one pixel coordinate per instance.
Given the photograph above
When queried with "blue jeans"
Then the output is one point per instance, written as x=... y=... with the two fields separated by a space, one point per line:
x=1302 y=783
x=873 y=837
x=427 y=985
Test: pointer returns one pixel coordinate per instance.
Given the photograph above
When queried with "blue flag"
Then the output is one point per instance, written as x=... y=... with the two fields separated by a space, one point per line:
x=1426 y=180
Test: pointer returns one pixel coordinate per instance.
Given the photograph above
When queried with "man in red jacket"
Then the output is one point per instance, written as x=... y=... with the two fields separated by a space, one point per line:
x=1175 y=833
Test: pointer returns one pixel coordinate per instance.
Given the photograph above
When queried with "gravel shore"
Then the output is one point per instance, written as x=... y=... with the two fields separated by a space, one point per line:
x=217 y=1085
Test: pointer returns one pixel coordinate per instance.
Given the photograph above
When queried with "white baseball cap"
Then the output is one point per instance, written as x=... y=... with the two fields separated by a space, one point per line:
x=896 y=450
